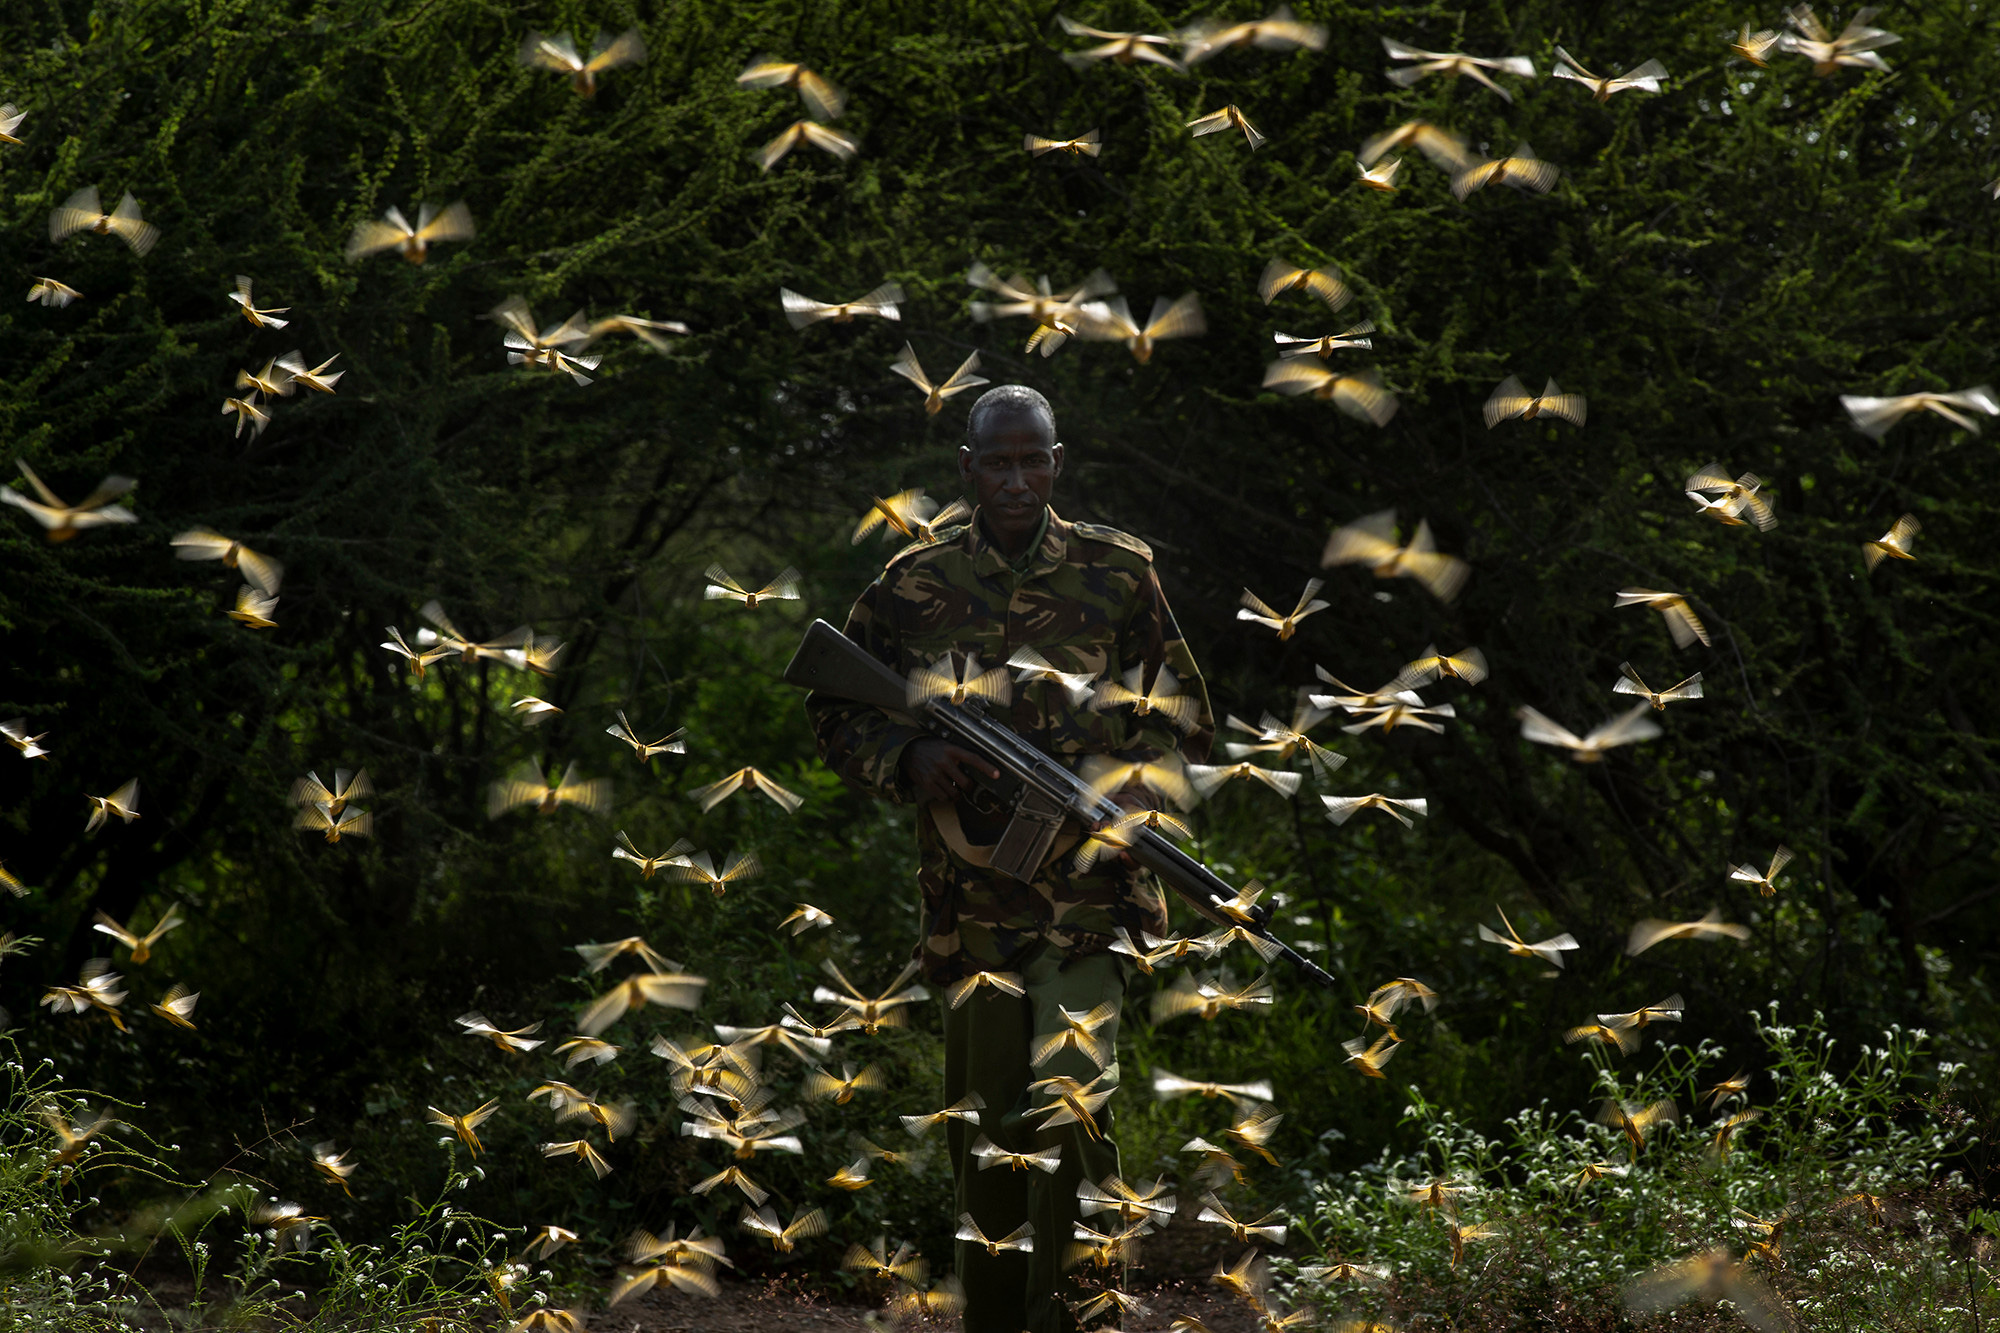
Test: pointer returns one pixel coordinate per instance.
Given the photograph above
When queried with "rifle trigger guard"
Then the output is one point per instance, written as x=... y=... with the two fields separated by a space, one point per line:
x=986 y=801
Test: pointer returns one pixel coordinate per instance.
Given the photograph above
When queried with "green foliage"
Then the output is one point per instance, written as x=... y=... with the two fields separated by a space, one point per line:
x=68 y=1263
x=1879 y=1127
x=1716 y=266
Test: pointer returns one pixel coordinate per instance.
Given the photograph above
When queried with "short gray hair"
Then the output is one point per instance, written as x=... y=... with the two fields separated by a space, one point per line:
x=1007 y=400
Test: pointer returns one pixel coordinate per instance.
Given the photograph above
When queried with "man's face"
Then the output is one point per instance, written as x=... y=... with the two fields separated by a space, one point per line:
x=1012 y=473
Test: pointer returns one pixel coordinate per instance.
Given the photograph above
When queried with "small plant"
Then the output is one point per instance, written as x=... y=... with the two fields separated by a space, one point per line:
x=54 y=1142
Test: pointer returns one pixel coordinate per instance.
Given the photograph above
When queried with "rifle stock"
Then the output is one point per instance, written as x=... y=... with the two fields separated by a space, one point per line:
x=832 y=663
x=1044 y=792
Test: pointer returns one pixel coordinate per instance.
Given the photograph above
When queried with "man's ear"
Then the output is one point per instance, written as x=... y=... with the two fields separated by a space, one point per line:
x=965 y=464
x=1057 y=454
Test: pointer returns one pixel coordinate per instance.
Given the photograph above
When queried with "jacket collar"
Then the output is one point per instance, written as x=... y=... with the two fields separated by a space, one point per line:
x=989 y=562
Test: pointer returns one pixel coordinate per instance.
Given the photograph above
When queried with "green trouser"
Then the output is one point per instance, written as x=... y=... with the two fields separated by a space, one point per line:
x=987 y=1042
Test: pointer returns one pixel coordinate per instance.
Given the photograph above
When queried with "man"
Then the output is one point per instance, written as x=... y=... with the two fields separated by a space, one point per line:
x=1086 y=598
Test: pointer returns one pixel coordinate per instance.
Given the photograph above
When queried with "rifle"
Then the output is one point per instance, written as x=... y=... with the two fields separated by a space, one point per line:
x=1042 y=794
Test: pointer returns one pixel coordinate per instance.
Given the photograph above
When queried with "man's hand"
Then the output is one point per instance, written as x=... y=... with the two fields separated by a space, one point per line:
x=940 y=771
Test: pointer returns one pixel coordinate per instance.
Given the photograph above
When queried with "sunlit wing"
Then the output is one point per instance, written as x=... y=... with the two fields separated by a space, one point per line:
x=1362 y=396
x=627 y=48
x=1626 y=729
x=767 y=72
x=1342 y=808
x=1571 y=407
x=449 y=223
x=125 y=223
x=1090 y=143
x=1297 y=376
x=1175 y=319
x=1646 y=77
x=1369 y=540
x=553 y=53
x=1509 y=402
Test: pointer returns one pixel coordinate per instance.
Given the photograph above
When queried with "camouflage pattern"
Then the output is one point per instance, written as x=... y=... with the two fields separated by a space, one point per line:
x=1088 y=601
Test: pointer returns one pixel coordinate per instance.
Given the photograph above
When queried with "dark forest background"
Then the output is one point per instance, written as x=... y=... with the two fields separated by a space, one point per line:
x=1715 y=267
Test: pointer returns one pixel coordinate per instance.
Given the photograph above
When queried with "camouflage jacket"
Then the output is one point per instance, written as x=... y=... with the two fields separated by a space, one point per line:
x=1088 y=601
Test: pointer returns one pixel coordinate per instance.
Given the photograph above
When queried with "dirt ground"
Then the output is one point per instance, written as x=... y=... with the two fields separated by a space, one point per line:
x=773 y=1308
x=1171 y=1279
x=791 y=1305
x=781 y=1307
x=1172 y=1282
